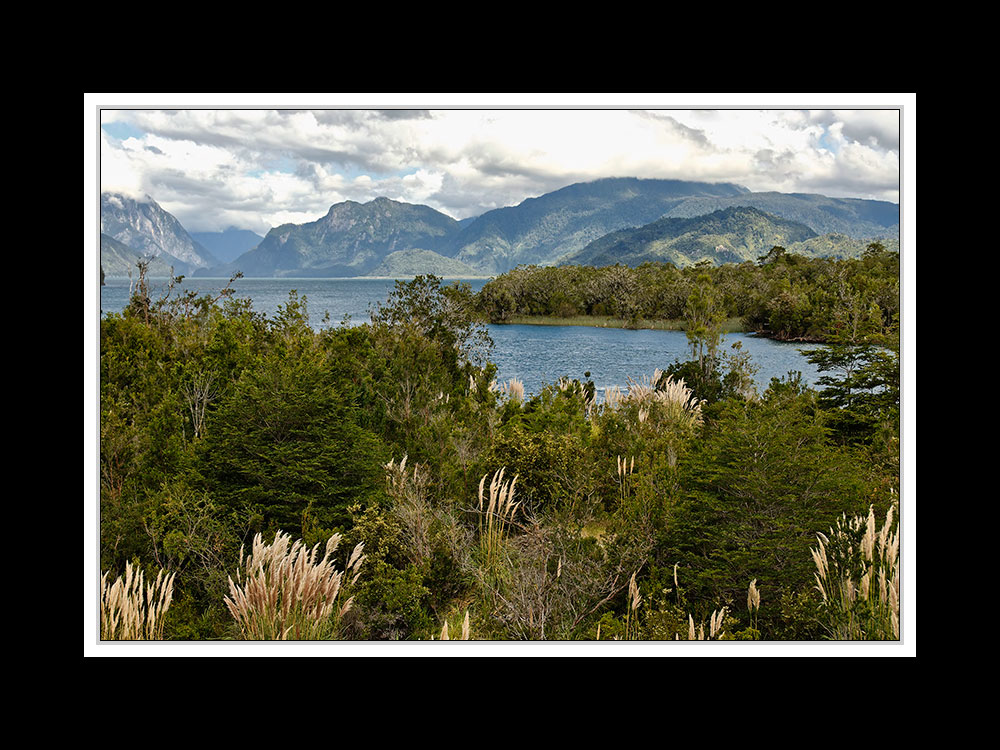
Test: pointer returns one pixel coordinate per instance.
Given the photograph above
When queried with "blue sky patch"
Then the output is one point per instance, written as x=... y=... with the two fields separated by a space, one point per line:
x=121 y=130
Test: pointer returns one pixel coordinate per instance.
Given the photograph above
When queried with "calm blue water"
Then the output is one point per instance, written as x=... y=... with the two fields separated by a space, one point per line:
x=533 y=354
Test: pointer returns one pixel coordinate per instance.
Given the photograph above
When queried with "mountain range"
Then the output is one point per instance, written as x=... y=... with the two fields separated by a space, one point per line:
x=607 y=221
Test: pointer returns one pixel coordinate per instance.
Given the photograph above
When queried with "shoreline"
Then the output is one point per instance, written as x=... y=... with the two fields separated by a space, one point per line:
x=731 y=325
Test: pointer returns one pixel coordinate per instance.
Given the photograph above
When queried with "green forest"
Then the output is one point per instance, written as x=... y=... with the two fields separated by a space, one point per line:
x=784 y=295
x=276 y=477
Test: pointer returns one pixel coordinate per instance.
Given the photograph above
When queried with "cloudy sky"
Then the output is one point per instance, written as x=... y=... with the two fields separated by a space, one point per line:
x=252 y=165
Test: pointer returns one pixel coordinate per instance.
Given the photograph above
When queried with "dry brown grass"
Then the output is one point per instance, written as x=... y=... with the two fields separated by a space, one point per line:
x=132 y=610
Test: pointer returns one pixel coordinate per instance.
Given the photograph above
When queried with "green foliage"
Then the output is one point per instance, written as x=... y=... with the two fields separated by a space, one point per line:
x=218 y=423
x=729 y=235
x=862 y=394
x=751 y=495
x=784 y=295
x=287 y=443
x=542 y=461
x=718 y=377
x=391 y=605
x=391 y=601
x=429 y=371
x=440 y=314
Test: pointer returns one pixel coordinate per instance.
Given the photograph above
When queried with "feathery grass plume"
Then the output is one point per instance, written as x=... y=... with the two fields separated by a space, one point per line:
x=678 y=401
x=625 y=470
x=133 y=610
x=495 y=520
x=409 y=491
x=715 y=627
x=753 y=596
x=857 y=575
x=661 y=398
x=514 y=389
x=465 y=629
x=753 y=603
x=631 y=612
x=641 y=390
x=285 y=591
x=613 y=397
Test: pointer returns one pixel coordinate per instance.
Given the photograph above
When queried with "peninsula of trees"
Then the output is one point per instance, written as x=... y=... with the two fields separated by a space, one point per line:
x=783 y=295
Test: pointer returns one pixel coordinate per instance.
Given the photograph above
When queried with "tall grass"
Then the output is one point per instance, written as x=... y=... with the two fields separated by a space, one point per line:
x=753 y=604
x=632 y=611
x=465 y=629
x=667 y=400
x=495 y=516
x=857 y=574
x=132 y=610
x=408 y=491
x=283 y=592
x=715 y=627
x=625 y=470
x=513 y=389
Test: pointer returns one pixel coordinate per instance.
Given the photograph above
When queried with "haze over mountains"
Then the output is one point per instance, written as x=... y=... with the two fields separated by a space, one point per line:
x=229 y=244
x=608 y=221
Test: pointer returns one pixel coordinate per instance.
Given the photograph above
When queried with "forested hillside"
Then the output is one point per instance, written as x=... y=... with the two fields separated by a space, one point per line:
x=731 y=235
x=351 y=240
x=544 y=229
x=853 y=217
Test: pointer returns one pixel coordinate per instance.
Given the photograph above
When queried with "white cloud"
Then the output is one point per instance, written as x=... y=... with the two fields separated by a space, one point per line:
x=256 y=167
x=117 y=170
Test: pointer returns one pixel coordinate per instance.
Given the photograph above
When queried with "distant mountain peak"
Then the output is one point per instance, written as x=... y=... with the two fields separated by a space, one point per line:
x=144 y=226
x=351 y=239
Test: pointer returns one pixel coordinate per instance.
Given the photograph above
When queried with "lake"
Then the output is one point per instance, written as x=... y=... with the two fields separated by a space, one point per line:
x=533 y=354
